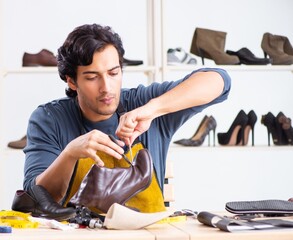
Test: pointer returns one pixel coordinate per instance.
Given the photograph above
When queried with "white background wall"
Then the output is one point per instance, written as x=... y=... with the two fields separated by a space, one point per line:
x=29 y=26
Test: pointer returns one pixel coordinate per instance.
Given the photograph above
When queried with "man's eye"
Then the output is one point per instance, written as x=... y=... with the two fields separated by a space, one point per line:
x=91 y=78
x=113 y=73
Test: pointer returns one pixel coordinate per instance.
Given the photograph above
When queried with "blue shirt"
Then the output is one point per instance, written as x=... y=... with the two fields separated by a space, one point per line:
x=53 y=125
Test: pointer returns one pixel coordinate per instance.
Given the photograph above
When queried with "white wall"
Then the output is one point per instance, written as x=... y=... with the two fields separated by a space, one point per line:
x=29 y=26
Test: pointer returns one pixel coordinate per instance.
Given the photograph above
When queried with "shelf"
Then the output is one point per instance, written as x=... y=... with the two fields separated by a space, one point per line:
x=176 y=148
x=233 y=67
x=49 y=70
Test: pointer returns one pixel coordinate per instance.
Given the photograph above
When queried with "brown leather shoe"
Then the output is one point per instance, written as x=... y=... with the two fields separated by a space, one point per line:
x=18 y=144
x=43 y=58
x=39 y=203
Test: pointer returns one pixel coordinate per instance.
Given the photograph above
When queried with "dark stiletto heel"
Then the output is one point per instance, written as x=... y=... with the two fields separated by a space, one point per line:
x=286 y=126
x=252 y=118
x=235 y=132
x=274 y=128
x=207 y=124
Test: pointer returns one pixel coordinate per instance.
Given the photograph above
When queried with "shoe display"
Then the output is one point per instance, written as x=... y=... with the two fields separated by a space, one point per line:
x=286 y=126
x=177 y=56
x=127 y=62
x=39 y=203
x=43 y=58
x=247 y=57
x=274 y=128
x=235 y=134
x=274 y=46
x=210 y=44
x=207 y=124
x=18 y=144
x=252 y=118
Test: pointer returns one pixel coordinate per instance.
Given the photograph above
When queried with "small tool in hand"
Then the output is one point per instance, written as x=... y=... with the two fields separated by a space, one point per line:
x=123 y=155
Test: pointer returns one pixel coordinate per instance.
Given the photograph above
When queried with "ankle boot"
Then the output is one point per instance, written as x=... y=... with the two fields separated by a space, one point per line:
x=288 y=47
x=210 y=44
x=273 y=45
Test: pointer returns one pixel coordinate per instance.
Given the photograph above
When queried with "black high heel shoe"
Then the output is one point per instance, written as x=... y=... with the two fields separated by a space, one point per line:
x=252 y=118
x=275 y=129
x=207 y=124
x=235 y=132
x=286 y=126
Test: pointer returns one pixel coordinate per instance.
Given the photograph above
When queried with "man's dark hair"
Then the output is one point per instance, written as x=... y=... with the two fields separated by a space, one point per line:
x=80 y=46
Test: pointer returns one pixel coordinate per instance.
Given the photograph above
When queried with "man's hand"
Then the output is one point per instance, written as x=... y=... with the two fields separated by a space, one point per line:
x=132 y=124
x=88 y=144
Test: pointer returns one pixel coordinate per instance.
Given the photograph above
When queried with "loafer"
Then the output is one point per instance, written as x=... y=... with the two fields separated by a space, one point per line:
x=247 y=57
x=128 y=62
x=43 y=58
x=18 y=144
x=40 y=203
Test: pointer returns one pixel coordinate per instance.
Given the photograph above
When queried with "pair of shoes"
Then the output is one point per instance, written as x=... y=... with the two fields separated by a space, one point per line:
x=127 y=62
x=238 y=133
x=42 y=58
x=18 y=144
x=247 y=57
x=39 y=203
x=177 y=56
x=210 y=44
x=278 y=48
x=286 y=126
x=207 y=124
x=279 y=128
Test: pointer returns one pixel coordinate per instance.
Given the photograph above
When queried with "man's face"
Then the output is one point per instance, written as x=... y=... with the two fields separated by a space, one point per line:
x=98 y=85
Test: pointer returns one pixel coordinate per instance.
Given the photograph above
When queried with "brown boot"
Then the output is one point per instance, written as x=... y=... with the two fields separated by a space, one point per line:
x=210 y=44
x=273 y=45
x=288 y=47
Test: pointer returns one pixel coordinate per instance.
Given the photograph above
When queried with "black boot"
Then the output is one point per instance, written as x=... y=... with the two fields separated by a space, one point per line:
x=40 y=204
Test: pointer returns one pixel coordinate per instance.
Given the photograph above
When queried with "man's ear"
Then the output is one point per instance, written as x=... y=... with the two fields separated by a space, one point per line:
x=71 y=84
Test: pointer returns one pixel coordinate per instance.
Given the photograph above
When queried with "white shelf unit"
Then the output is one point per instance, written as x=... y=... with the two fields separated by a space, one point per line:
x=208 y=177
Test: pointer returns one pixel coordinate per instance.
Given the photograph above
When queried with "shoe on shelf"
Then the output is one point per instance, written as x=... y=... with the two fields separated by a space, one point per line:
x=206 y=125
x=286 y=126
x=127 y=62
x=210 y=44
x=274 y=46
x=43 y=58
x=235 y=135
x=252 y=118
x=247 y=57
x=177 y=56
x=18 y=144
x=274 y=128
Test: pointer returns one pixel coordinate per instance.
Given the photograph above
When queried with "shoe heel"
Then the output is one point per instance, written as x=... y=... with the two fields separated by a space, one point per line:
x=206 y=126
x=214 y=137
x=235 y=134
x=201 y=54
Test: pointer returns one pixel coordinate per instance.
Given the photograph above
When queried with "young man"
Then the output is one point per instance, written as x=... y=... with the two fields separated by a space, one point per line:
x=65 y=130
